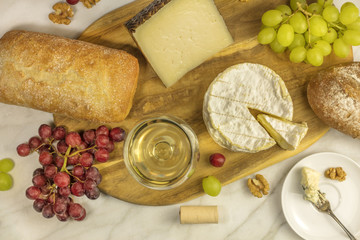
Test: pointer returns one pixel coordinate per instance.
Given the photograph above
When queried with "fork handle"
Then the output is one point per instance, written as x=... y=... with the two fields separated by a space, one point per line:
x=341 y=225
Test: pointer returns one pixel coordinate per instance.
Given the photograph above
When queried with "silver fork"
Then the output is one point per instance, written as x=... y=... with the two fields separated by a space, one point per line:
x=323 y=205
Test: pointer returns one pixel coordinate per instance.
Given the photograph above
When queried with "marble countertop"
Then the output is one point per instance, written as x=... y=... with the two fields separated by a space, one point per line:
x=241 y=215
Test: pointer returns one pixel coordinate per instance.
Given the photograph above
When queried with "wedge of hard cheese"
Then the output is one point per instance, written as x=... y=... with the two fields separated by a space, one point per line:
x=286 y=133
x=176 y=36
x=228 y=100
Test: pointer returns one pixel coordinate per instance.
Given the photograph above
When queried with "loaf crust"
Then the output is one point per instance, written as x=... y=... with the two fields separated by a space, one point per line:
x=334 y=96
x=65 y=76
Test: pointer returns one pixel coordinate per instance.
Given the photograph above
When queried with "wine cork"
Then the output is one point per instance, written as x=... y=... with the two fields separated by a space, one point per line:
x=198 y=214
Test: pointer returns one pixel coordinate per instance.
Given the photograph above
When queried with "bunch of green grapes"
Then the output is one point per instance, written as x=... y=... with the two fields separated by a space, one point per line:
x=6 y=181
x=311 y=32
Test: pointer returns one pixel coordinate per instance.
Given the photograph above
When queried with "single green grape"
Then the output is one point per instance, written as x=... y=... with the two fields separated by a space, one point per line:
x=298 y=54
x=285 y=9
x=324 y=46
x=318 y=26
x=315 y=8
x=299 y=41
x=272 y=18
x=294 y=6
x=285 y=35
x=6 y=181
x=352 y=37
x=348 y=13
x=325 y=3
x=355 y=25
x=6 y=165
x=266 y=35
x=311 y=38
x=298 y=22
x=211 y=186
x=331 y=14
x=277 y=47
x=330 y=36
x=314 y=57
x=341 y=48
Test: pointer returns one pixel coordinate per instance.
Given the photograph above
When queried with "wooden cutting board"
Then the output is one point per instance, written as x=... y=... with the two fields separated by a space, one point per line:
x=185 y=99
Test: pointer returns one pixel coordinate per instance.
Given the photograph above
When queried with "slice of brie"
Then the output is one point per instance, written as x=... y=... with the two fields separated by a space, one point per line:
x=310 y=182
x=228 y=99
x=287 y=134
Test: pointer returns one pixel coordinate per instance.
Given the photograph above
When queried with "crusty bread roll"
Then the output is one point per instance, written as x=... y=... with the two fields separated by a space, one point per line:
x=334 y=95
x=65 y=76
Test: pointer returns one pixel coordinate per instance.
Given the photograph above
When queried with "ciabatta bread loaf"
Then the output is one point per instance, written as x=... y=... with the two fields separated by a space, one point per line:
x=65 y=76
x=334 y=95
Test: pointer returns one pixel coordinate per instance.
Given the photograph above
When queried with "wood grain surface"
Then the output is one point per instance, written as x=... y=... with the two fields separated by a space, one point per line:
x=185 y=98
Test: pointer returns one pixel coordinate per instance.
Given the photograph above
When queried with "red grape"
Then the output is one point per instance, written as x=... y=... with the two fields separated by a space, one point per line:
x=89 y=184
x=73 y=160
x=102 y=130
x=72 y=2
x=38 y=171
x=45 y=131
x=39 y=204
x=78 y=171
x=102 y=155
x=46 y=189
x=82 y=146
x=47 y=211
x=45 y=158
x=33 y=192
x=76 y=211
x=39 y=180
x=89 y=136
x=77 y=189
x=60 y=207
x=117 y=134
x=62 y=147
x=62 y=179
x=23 y=149
x=59 y=161
x=82 y=216
x=64 y=191
x=34 y=142
x=86 y=159
x=110 y=146
x=59 y=133
x=50 y=171
x=93 y=174
x=93 y=193
x=73 y=139
x=217 y=160
x=63 y=217
x=102 y=141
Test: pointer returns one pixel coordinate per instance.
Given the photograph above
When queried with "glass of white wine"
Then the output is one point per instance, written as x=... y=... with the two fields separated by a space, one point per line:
x=161 y=152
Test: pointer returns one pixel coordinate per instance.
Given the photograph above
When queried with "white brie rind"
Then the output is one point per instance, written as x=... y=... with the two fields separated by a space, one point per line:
x=241 y=133
x=310 y=182
x=287 y=134
x=228 y=99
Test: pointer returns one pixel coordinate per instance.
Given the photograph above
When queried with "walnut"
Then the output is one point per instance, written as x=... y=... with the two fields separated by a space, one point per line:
x=89 y=3
x=258 y=186
x=336 y=174
x=62 y=14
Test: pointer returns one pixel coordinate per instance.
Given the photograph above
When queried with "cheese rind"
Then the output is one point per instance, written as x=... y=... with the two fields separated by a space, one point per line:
x=228 y=99
x=180 y=36
x=287 y=134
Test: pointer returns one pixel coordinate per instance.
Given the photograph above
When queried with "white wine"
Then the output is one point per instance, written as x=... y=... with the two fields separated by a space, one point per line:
x=160 y=152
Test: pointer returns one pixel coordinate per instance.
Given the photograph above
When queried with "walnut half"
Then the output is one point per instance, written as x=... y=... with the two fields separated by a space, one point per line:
x=258 y=186
x=62 y=14
x=89 y=3
x=336 y=174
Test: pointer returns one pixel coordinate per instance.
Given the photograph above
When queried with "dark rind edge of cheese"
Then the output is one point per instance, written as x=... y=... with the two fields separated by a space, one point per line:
x=145 y=14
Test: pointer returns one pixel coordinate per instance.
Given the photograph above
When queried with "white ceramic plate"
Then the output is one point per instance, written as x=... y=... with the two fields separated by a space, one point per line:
x=344 y=197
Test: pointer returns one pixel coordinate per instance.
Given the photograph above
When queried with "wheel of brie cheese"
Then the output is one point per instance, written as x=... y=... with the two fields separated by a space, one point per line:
x=228 y=100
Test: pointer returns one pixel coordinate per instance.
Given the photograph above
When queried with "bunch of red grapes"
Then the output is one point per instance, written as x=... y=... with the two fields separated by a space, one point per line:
x=67 y=168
